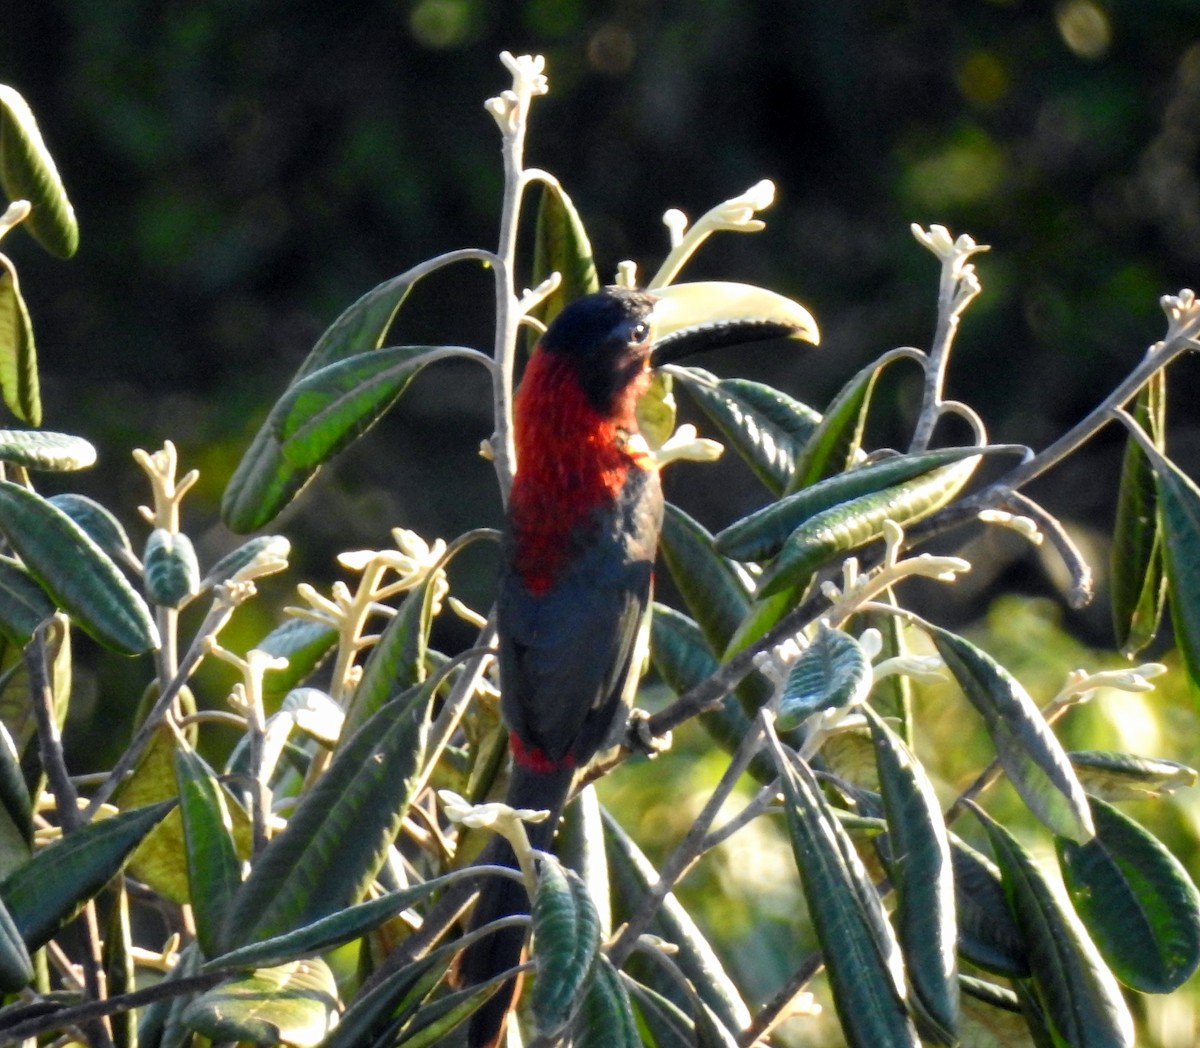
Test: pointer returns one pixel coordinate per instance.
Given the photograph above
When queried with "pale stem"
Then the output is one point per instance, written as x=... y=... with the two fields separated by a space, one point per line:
x=939 y=356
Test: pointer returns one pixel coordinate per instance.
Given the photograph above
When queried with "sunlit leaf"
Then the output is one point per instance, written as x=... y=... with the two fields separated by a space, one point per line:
x=1127 y=776
x=560 y=245
x=835 y=443
x=304 y=644
x=831 y=673
x=1081 y=1000
x=1137 y=585
x=1137 y=901
x=75 y=572
x=339 y=834
x=1032 y=758
x=27 y=172
x=53 y=886
x=765 y=427
x=18 y=351
x=273 y=548
x=41 y=450
x=170 y=568
x=293 y=1004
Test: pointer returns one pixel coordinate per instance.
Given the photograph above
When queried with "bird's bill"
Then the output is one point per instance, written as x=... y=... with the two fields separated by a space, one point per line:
x=688 y=318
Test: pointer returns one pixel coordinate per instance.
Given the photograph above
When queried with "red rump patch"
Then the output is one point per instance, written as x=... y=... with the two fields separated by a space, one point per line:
x=570 y=461
x=536 y=759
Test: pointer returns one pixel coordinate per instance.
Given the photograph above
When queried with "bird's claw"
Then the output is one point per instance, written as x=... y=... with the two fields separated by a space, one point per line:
x=640 y=737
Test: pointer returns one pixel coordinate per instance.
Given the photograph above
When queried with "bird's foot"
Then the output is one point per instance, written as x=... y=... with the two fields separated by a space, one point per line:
x=641 y=739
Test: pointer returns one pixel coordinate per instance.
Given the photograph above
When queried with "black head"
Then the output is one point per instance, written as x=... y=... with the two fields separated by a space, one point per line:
x=605 y=337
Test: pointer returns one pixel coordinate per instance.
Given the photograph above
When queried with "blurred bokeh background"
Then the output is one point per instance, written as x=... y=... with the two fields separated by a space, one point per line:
x=244 y=170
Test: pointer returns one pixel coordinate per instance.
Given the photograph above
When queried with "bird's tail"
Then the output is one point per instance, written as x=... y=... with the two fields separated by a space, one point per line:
x=502 y=897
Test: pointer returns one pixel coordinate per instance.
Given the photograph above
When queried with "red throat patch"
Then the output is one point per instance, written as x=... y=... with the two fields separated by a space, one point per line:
x=571 y=460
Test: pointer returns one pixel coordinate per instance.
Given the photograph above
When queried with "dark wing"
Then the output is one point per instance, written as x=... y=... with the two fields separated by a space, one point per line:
x=565 y=654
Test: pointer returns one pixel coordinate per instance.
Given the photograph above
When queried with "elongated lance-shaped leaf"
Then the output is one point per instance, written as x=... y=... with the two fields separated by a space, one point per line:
x=160 y=1023
x=846 y=527
x=566 y=943
x=348 y=924
x=27 y=172
x=304 y=644
x=1078 y=994
x=339 y=834
x=261 y=548
x=329 y=409
x=18 y=351
x=75 y=572
x=53 y=886
x=100 y=525
x=264 y=481
x=837 y=440
x=606 y=1019
x=16 y=967
x=119 y=968
x=16 y=806
x=765 y=427
x=1179 y=509
x=580 y=845
x=374 y=1017
x=920 y=870
x=560 y=245
x=861 y=955
x=23 y=603
x=1128 y=776
x=213 y=865
x=294 y=1003
x=632 y=875
x=1032 y=758
x=832 y=672
x=988 y=936
x=762 y=534
x=51 y=452
x=1137 y=901
x=1137 y=584
x=397 y=661
x=713 y=588
x=665 y=1020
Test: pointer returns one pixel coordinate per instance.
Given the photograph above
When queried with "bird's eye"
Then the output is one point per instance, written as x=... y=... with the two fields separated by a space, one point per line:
x=639 y=333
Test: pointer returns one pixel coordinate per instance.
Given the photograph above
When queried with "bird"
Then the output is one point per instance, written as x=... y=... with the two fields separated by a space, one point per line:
x=582 y=526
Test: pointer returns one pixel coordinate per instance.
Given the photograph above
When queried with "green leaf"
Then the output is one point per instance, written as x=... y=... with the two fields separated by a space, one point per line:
x=1136 y=899
x=767 y=428
x=845 y=527
x=1032 y=758
x=304 y=644
x=18 y=351
x=119 y=968
x=41 y=450
x=16 y=807
x=1127 y=776
x=762 y=534
x=560 y=245
x=23 y=603
x=835 y=443
x=920 y=869
x=160 y=1025
x=656 y=410
x=566 y=942
x=170 y=568
x=633 y=874
x=259 y=548
x=52 y=887
x=27 y=172
x=831 y=673
x=16 y=967
x=606 y=1018
x=339 y=928
x=339 y=834
x=715 y=590
x=294 y=1004
x=328 y=410
x=213 y=865
x=1179 y=509
x=397 y=661
x=861 y=955
x=988 y=936
x=1137 y=585
x=75 y=572
x=1081 y=999
x=264 y=481
x=98 y=523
